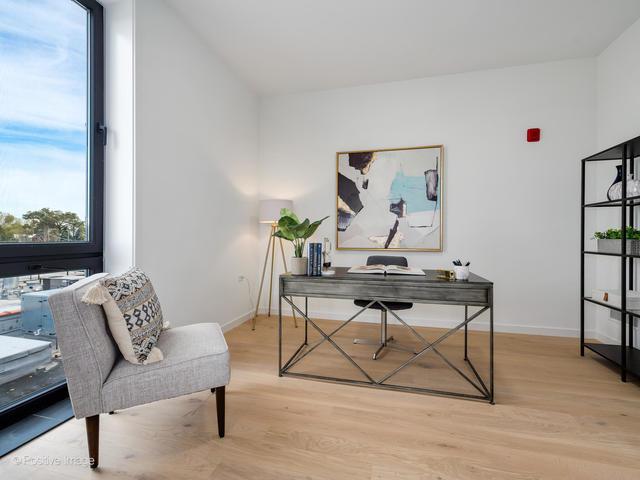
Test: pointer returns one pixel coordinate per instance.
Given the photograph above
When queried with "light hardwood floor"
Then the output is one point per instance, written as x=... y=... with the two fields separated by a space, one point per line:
x=558 y=416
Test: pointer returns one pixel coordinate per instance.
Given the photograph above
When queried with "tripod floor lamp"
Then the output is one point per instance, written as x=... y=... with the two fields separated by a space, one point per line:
x=270 y=213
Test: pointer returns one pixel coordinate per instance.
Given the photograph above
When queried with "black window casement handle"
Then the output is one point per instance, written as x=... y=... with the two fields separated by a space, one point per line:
x=101 y=128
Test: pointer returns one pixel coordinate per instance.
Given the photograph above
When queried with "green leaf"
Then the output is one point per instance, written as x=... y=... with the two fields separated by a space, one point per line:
x=313 y=227
x=299 y=230
x=287 y=222
x=286 y=234
x=616 y=234
x=285 y=212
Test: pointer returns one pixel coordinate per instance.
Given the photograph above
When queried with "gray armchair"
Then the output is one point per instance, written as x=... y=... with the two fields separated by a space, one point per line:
x=100 y=380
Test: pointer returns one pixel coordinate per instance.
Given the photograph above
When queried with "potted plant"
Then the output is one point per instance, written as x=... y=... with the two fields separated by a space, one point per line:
x=290 y=228
x=611 y=241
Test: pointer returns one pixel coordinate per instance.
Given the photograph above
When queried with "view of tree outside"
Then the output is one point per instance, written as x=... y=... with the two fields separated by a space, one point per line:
x=43 y=121
x=44 y=225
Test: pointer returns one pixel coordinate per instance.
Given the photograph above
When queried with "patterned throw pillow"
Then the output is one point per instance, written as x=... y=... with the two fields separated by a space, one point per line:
x=133 y=313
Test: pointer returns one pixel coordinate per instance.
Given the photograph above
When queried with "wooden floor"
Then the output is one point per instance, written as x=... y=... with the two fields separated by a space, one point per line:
x=558 y=416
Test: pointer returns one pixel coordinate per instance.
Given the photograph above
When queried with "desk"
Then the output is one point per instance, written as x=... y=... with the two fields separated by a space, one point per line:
x=476 y=292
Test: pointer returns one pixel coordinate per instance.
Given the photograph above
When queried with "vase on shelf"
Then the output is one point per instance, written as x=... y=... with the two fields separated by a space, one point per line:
x=633 y=186
x=615 y=190
x=616 y=186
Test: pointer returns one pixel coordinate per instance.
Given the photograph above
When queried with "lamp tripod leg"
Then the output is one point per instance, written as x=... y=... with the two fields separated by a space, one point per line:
x=264 y=269
x=284 y=261
x=273 y=253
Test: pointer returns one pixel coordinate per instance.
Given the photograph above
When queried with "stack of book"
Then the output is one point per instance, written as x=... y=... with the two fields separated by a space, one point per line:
x=314 y=264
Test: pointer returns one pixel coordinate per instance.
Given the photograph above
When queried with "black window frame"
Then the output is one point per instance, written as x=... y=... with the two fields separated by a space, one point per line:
x=35 y=258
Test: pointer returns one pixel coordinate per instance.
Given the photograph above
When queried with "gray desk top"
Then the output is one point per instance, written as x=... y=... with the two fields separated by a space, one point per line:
x=429 y=278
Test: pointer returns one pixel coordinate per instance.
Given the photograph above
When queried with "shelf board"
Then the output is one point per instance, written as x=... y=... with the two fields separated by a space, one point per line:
x=635 y=313
x=635 y=200
x=615 y=152
x=593 y=252
x=613 y=353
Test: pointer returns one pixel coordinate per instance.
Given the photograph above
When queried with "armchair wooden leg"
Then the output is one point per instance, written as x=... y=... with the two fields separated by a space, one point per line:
x=93 y=437
x=220 y=410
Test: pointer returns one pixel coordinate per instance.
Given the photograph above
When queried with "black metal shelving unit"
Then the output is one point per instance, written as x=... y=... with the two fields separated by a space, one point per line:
x=624 y=354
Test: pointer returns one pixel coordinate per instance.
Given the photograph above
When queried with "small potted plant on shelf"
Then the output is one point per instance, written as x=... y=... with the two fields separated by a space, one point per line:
x=297 y=232
x=611 y=241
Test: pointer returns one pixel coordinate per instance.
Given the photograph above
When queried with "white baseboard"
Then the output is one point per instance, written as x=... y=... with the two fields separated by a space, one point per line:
x=608 y=331
x=231 y=324
x=604 y=338
x=602 y=334
x=481 y=325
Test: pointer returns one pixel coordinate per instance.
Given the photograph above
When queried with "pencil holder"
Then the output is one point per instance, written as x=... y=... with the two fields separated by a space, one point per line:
x=462 y=273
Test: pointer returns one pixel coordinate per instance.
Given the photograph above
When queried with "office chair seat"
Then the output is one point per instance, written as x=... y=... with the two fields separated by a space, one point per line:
x=390 y=305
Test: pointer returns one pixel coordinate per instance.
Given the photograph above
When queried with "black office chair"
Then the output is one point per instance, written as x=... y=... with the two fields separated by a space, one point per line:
x=384 y=342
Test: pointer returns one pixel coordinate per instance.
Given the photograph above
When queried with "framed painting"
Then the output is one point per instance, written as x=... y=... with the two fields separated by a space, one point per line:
x=390 y=199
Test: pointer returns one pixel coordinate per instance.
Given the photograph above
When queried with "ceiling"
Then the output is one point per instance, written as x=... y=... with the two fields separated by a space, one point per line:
x=284 y=46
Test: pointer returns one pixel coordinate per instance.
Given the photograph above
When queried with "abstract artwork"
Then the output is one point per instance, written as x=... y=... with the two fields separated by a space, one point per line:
x=390 y=199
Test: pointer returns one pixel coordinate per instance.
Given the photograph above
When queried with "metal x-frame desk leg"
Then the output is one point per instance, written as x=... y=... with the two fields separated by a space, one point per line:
x=485 y=393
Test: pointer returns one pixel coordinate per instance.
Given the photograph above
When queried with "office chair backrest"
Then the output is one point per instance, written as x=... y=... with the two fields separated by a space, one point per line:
x=387 y=260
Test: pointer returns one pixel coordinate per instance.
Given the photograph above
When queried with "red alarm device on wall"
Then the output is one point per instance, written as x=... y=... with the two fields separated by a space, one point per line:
x=533 y=135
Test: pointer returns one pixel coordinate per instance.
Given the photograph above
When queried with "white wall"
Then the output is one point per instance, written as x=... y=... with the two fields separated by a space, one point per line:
x=618 y=70
x=195 y=172
x=195 y=140
x=119 y=154
x=511 y=207
x=618 y=119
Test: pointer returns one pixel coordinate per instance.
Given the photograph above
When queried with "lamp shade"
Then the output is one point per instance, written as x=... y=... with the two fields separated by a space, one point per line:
x=270 y=209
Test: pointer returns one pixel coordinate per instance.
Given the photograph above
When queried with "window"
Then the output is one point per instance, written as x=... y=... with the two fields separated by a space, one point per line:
x=29 y=357
x=51 y=152
x=43 y=122
x=51 y=180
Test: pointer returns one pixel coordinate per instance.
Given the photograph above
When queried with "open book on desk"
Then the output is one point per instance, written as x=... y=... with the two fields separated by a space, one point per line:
x=386 y=270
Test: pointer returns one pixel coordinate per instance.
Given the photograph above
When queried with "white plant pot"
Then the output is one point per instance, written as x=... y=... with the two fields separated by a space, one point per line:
x=299 y=266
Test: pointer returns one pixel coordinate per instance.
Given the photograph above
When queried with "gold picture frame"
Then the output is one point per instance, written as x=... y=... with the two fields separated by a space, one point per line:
x=345 y=214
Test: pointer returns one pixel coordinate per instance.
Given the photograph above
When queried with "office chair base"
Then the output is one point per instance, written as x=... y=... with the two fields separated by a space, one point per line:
x=390 y=343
